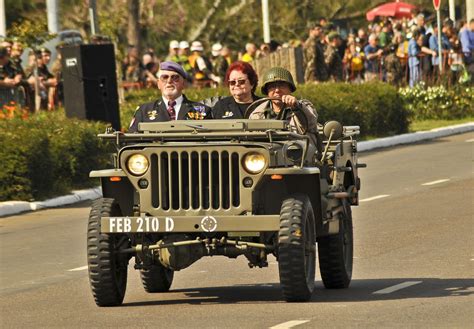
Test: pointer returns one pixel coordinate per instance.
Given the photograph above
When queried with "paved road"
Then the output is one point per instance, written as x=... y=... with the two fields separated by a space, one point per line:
x=413 y=267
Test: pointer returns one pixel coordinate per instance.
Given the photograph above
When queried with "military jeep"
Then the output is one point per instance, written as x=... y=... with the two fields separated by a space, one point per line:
x=183 y=190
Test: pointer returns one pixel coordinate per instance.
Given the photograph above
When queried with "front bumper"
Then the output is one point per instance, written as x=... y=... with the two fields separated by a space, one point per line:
x=191 y=224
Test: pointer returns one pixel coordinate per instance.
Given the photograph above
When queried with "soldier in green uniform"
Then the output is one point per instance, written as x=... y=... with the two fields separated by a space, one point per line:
x=393 y=66
x=10 y=79
x=316 y=69
x=278 y=83
x=332 y=58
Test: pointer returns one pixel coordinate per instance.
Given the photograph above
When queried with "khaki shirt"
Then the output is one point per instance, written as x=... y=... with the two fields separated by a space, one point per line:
x=306 y=107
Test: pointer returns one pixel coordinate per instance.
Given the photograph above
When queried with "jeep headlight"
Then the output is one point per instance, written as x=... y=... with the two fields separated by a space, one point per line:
x=137 y=164
x=254 y=162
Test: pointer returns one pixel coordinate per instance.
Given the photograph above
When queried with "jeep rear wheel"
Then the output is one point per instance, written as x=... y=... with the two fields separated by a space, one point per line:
x=107 y=266
x=156 y=278
x=296 y=249
x=336 y=253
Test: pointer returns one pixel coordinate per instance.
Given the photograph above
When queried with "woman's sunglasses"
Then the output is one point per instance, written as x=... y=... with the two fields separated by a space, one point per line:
x=239 y=82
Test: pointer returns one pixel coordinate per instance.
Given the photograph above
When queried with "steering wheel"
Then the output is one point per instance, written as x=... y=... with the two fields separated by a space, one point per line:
x=283 y=113
x=252 y=106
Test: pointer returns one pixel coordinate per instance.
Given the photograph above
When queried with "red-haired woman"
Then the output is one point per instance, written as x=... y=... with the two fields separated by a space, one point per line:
x=242 y=82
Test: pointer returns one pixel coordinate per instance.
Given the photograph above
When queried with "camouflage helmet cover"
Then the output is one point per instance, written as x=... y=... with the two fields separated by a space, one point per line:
x=277 y=74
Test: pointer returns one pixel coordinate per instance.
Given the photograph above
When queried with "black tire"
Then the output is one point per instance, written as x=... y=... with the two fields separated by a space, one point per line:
x=107 y=267
x=156 y=278
x=296 y=249
x=336 y=253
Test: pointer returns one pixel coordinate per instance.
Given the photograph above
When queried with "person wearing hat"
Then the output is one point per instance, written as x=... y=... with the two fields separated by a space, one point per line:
x=184 y=58
x=332 y=58
x=278 y=83
x=173 y=52
x=202 y=66
x=219 y=62
x=172 y=105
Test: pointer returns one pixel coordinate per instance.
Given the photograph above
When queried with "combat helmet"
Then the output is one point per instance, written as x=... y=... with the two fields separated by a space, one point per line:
x=277 y=74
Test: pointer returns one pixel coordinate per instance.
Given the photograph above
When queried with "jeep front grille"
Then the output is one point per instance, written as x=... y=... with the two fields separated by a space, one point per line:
x=195 y=180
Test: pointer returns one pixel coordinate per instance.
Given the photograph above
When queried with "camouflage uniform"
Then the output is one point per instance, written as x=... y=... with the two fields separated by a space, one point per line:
x=334 y=63
x=393 y=68
x=220 y=66
x=316 y=69
x=8 y=94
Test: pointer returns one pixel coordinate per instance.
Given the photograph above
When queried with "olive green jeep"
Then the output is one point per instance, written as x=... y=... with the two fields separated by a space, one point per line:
x=183 y=190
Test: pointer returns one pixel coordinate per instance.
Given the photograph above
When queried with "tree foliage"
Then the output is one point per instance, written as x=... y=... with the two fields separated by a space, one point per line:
x=233 y=22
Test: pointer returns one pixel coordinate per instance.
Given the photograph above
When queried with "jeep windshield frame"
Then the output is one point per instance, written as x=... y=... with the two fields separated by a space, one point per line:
x=212 y=130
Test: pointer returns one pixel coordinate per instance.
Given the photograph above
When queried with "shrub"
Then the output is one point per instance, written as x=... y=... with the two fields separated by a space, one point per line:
x=424 y=103
x=48 y=154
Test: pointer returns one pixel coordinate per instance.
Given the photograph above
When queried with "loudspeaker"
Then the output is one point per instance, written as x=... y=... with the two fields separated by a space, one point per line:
x=90 y=83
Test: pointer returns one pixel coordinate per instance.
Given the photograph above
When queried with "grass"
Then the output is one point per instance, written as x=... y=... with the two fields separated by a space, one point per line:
x=423 y=125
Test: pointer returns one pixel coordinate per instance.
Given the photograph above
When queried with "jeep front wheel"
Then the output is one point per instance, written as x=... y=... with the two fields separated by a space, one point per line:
x=107 y=266
x=296 y=248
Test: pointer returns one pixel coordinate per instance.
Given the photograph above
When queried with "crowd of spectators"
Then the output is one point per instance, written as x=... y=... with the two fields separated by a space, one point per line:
x=397 y=51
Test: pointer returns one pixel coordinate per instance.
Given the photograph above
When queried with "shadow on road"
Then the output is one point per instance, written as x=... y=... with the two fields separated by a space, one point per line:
x=359 y=291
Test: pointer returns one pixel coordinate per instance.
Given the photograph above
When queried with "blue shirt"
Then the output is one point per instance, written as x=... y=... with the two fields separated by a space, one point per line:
x=467 y=41
x=371 y=65
x=413 y=52
x=434 y=46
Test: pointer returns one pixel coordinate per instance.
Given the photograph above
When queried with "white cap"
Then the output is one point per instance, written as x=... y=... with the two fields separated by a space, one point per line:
x=183 y=45
x=196 y=46
x=174 y=44
x=216 y=48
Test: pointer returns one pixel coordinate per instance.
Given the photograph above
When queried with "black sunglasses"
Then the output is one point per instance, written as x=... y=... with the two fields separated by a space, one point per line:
x=239 y=82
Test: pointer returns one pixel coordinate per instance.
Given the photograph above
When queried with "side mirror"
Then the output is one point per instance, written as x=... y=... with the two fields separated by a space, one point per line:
x=335 y=127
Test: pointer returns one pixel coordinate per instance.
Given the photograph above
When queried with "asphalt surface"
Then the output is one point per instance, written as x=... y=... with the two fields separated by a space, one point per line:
x=413 y=266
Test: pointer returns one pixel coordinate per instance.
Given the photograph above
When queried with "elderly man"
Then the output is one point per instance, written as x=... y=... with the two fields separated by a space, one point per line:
x=172 y=105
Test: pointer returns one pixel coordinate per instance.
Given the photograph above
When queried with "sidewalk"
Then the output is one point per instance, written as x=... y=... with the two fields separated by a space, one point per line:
x=15 y=207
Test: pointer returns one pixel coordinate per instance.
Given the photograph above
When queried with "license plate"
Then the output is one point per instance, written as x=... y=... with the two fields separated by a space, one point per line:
x=137 y=224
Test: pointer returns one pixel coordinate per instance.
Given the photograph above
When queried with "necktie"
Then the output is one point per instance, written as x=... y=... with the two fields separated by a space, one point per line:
x=171 y=110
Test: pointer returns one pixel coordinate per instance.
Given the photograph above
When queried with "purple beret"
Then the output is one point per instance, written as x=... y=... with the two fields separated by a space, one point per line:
x=172 y=66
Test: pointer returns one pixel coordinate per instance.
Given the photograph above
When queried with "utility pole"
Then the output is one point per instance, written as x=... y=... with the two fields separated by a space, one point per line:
x=266 y=21
x=452 y=10
x=93 y=17
x=469 y=10
x=3 y=21
x=53 y=24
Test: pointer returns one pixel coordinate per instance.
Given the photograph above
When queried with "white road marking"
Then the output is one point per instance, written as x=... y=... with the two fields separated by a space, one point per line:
x=396 y=287
x=470 y=140
x=439 y=181
x=375 y=197
x=82 y=268
x=289 y=324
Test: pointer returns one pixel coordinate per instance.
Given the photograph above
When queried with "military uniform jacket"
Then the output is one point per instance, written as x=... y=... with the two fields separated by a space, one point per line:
x=227 y=108
x=334 y=63
x=304 y=107
x=156 y=112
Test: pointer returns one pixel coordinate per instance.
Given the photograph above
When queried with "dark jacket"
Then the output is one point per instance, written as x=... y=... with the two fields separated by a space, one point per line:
x=156 y=112
x=227 y=108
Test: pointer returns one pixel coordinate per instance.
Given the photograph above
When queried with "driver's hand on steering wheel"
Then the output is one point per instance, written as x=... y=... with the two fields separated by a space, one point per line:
x=289 y=101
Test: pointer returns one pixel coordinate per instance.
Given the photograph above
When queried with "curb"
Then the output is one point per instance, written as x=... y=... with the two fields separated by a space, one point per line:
x=415 y=137
x=15 y=207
